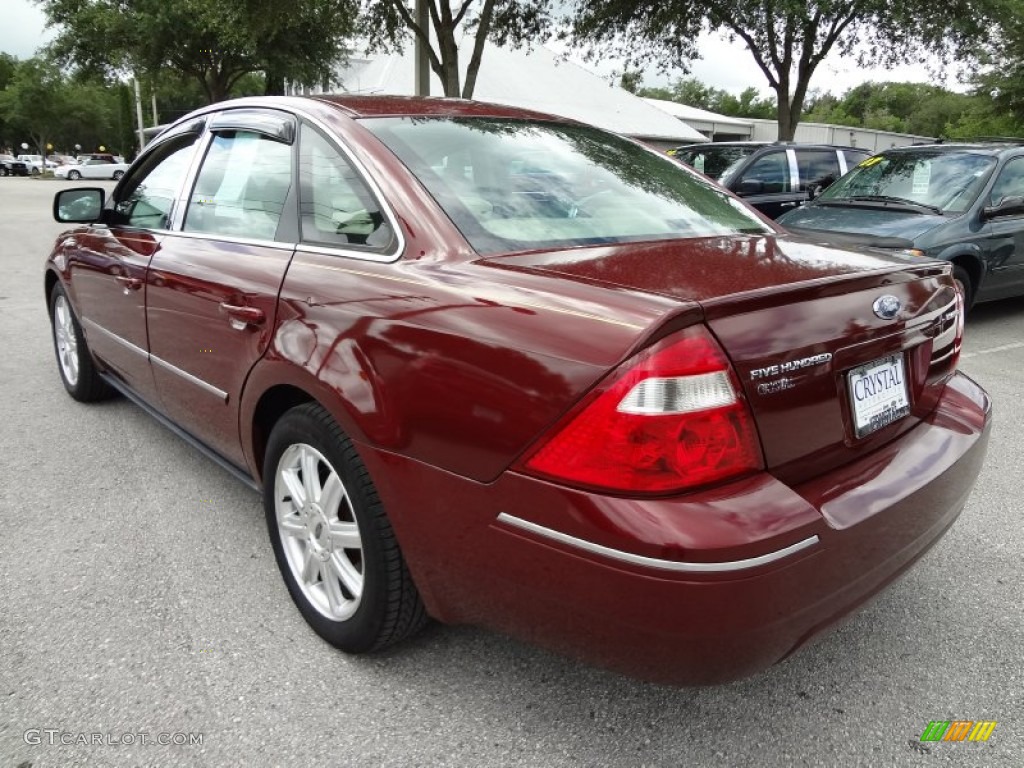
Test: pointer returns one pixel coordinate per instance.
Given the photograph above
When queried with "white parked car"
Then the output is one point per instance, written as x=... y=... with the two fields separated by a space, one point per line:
x=35 y=163
x=92 y=168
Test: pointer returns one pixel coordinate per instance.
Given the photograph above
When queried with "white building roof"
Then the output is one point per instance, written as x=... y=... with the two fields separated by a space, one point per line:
x=530 y=79
x=683 y=112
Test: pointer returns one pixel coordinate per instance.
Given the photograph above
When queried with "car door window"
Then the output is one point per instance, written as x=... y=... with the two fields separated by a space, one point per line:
x=772 y=170
x=242 y=186
x=818 y=167
x=1009 y=183
x=336 y=206
x=147 y=197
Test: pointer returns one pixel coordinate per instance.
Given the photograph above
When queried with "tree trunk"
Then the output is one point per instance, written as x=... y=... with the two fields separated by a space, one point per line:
x=274 y=83
x=787 y=120
x=449 y=51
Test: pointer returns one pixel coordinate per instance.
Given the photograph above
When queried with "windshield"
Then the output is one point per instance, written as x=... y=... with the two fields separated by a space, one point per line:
x=512 y=185
x=949 y=181
x=717 y=162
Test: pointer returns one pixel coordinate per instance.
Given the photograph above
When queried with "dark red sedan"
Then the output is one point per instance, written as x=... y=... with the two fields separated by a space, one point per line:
x=499 y=368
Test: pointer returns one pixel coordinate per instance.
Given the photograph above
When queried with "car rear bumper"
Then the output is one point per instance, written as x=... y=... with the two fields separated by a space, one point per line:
x=700 y=589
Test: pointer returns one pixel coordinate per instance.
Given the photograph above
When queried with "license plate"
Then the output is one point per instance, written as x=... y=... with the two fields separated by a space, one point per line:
x=878 y=394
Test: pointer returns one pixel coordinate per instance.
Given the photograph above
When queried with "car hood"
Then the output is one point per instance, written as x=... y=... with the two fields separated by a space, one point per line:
x=703 y=269
x=864 y=226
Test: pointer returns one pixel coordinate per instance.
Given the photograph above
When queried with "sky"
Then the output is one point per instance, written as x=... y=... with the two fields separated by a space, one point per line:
x=728 y=66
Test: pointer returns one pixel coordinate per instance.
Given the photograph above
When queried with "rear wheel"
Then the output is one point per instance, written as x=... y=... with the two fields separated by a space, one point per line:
x=963 y=282
x=118 y=175
x=332 y=540
x=74 y=175
x=74 y=361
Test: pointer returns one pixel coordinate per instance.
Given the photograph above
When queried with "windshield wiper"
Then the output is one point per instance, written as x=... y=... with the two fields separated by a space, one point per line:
x=911 y=205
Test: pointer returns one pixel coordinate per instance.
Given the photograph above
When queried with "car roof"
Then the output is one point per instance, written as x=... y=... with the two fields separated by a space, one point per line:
x=418 y=106
x=982 y=147
x=759 y=144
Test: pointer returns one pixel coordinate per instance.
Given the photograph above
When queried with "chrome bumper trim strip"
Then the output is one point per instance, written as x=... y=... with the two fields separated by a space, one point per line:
x=652 y=562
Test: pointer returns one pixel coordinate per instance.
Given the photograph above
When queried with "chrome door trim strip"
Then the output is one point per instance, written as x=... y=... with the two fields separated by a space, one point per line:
x=794 y=171
x=652 y=562
x=219 y=393
x=93 y=325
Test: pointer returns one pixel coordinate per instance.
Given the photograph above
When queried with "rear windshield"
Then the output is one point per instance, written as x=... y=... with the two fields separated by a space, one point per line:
x=717 y=162
x=949 y=181
x=512 y=185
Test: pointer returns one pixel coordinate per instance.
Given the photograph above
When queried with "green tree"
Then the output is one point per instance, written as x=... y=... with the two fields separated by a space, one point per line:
x=693 y=93
x=216 y=43
x=1000 y=77
x=34 y=101
x=389 y=23
x=787 y=38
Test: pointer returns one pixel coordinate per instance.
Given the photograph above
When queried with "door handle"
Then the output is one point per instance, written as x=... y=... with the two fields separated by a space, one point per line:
x=240 y=317
x=129 y=283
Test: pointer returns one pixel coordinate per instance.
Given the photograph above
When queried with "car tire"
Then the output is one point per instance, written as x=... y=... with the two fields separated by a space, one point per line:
x=34 y=171
x=332 y=539
x=118 y=175
x=963 y=281
x=74 y=175
x=3 y=171
x=75 y=365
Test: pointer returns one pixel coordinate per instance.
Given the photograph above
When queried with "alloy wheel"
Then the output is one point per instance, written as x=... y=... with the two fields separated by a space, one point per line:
x=319 y=533
x=66 y=340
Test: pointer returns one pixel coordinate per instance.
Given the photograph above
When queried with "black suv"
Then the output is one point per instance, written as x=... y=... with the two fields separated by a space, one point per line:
x=963 y=203
x=774 y=177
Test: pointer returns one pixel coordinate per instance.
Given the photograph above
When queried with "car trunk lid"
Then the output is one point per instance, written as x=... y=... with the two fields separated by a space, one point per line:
x=815 y=360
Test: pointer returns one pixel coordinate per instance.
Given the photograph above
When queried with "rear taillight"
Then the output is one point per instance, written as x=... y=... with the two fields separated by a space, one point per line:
x=670 y=419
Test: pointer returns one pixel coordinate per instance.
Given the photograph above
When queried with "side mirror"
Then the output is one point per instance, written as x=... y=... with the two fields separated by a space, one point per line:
x=1008 y=206
x=78 y=206
x=749 y=187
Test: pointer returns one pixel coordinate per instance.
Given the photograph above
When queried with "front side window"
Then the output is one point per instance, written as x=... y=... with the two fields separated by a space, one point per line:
x=335 y=205
x=947 y=181
x=242 y=186
x=147 y=197
x=771 y=171
x=511 y=185
x=1009 y=182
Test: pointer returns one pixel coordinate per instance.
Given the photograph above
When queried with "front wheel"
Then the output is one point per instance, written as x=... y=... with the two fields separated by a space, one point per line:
x=333 y=542
x=74 y=175
x=118 y=175
x=963 y=283
x=74 y=361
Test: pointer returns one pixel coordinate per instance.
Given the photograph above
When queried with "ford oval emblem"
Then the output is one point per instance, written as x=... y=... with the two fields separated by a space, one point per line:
x=887 y=307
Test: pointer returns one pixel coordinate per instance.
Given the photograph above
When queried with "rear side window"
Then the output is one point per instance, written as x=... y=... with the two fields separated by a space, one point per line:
x=853 y=159
x=817 y=167
x=335 y=205
x=242 y=187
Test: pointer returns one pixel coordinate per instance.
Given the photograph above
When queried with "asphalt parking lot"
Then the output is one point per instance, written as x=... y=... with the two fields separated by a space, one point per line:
x=140 y=603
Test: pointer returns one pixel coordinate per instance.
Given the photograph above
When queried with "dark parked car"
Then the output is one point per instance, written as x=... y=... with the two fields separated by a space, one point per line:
x=500 y=368
x=774 y=177
x=11 y=166
x=963 y=203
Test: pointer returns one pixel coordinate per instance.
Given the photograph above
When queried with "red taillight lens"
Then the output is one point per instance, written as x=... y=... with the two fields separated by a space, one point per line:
x=670 y=419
